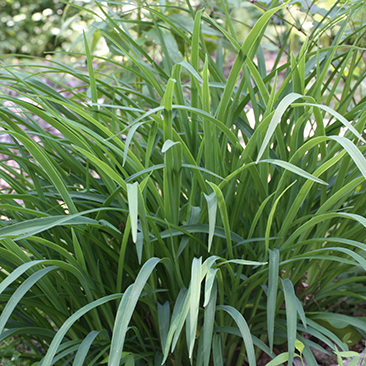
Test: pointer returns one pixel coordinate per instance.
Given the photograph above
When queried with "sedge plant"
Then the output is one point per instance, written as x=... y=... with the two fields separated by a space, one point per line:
x=146 y=219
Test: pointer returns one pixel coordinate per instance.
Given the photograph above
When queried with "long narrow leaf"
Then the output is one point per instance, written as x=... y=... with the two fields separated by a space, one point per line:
x=244 y=330
x=126 y=309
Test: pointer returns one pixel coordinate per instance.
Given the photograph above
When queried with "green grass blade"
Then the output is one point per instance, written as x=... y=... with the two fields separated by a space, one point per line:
x=280 y=110
x=353 y=151
x=273 y=273
x=294 y=169
x=209 y=282
x=279 y=360
x=195 y=290
x=217 y=351
x=164 y=317
x=45 y=162
x=336 y=115
x=19 y=294
x=93 y=87
x=126 y=309
x=54 y=346
x=13 y=276
x=212 y=209
x=271 y=216
x=246 y=51
x=291 y=317
x=132 y=197
x=244 y=331
x=224 y=216
x=209 y=320
x=84 y=347
x=179 y=316
x=243 y=262
x=24 y=229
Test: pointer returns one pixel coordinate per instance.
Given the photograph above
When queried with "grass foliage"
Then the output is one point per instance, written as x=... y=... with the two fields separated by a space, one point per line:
x=153 y=222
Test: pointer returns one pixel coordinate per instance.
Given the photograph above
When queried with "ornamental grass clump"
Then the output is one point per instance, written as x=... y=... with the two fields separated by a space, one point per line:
x=147 y=220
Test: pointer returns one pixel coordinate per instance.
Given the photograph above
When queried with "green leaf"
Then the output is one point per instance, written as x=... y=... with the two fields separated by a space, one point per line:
x=28 y=228
x=132 y=196
x=44 y=161
x=278 y=360
x=13 y=276
x=294 y=169
x=243 y=262
x=168 y=144
x=179 y=316
x=190 y=68
x=244 y=330
x=126 y=309
x=353 y=151
x=299 y=346
x=164 y=317
x=209 y=317
x=336 y=115
x=291 y=317
x=272 y=293
x=20 y=293
x=224 y=216
x=217 y=351
x=195 y=291
x=54 y=346
x=245 y=51
x=93 y=87
x=212 y=209
x=209 y=282
x=276 y=119
x=84 y=348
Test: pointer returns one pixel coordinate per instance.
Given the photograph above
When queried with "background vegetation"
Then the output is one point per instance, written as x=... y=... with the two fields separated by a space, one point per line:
x=183 y=201
x=30 y=27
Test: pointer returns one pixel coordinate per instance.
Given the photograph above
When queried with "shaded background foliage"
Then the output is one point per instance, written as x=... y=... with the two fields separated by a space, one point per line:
x=30 y=27
x=34 y=27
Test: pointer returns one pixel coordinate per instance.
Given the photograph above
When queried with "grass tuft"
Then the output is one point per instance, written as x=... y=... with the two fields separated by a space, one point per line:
x=147 y=218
